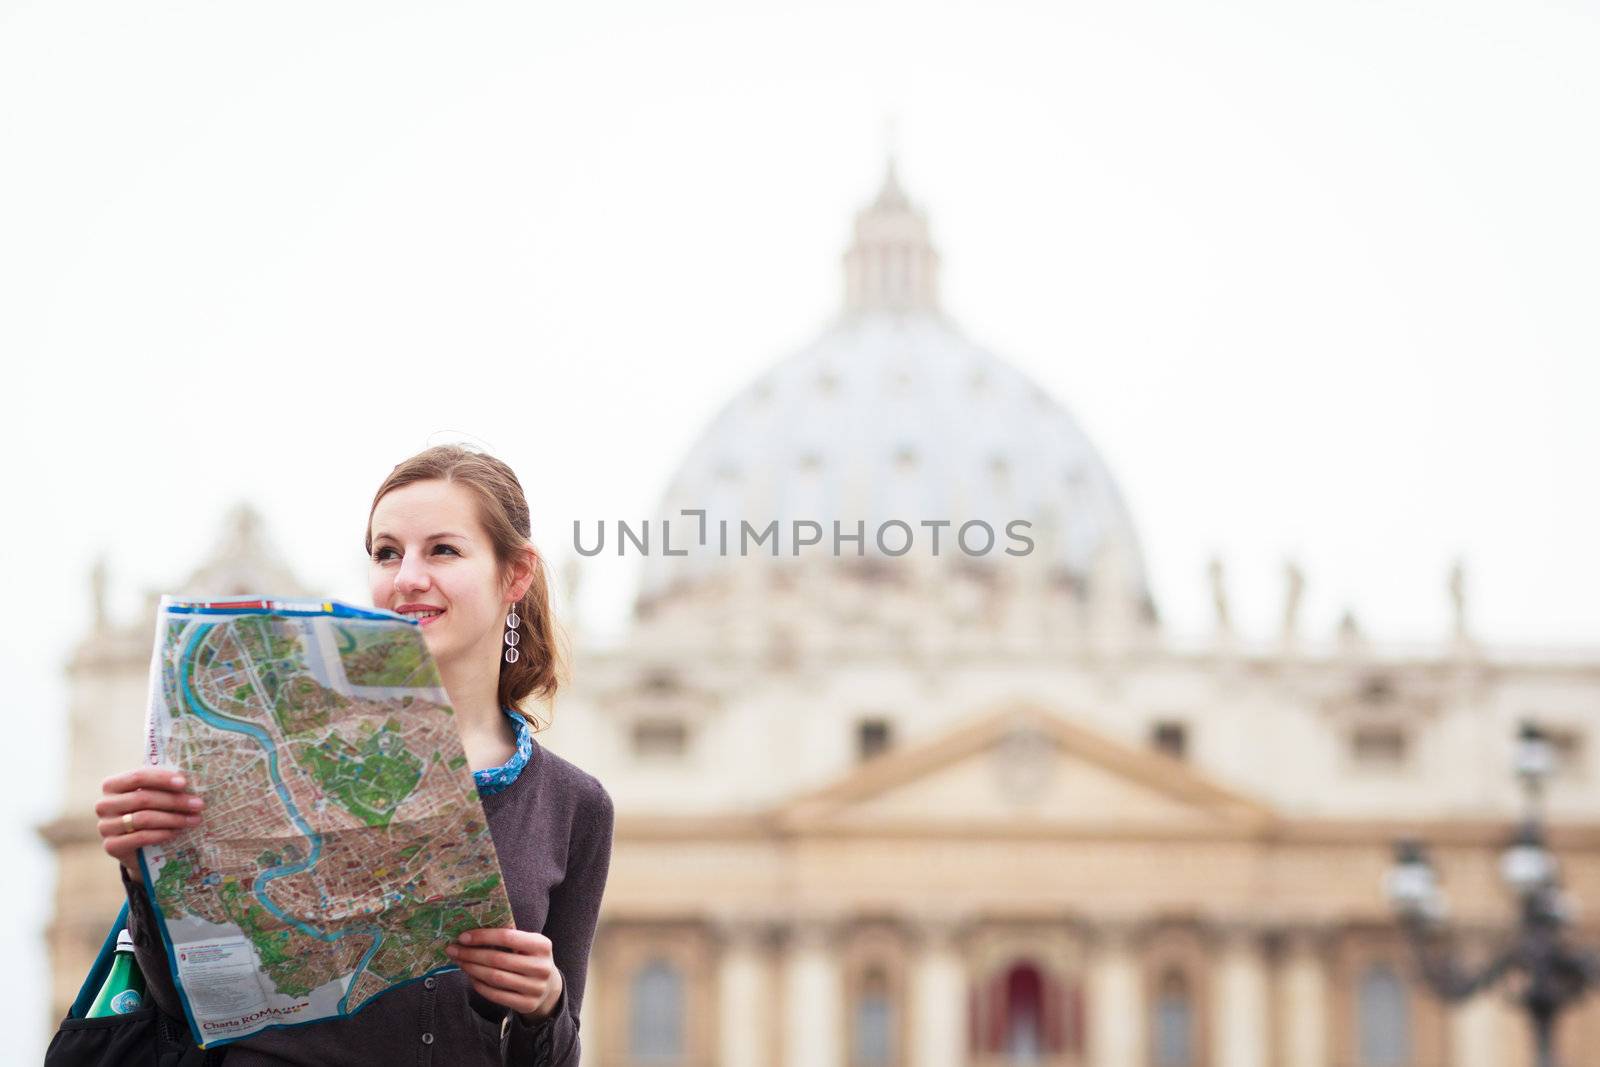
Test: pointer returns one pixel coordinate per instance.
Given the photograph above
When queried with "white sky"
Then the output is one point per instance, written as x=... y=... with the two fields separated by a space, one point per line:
x=1318 y=279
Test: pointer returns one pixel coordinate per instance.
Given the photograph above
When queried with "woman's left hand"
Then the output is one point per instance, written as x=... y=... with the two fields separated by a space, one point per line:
x=510 y=967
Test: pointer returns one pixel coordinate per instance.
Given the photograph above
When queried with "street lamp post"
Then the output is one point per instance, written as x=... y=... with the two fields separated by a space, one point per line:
x=1556 y=972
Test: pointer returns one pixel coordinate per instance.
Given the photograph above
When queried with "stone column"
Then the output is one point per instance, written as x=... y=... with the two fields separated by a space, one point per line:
x=813 y=998
x=938 y=1000
x=744 y=1025
x=1487 y=1030
x=1475 y=1037
x=1302 y=1003
x=1239 y=1033
x=1117 y=1017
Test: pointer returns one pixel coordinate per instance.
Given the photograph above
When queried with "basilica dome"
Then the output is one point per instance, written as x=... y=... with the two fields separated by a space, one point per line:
x=893 y=414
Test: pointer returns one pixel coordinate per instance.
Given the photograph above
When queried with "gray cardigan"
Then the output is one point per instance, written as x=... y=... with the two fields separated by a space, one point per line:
x=552 y=828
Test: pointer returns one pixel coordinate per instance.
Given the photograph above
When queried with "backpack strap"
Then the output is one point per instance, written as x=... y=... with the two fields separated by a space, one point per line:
x=99 y=969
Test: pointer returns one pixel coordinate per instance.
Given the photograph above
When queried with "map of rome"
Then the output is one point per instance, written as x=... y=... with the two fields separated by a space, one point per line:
x=343 y=843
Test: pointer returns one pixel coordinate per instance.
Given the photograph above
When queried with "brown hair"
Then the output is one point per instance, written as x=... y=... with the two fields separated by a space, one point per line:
x=503 y=513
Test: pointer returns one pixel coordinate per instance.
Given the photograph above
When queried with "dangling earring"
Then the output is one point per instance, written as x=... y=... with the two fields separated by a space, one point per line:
x=512 y=637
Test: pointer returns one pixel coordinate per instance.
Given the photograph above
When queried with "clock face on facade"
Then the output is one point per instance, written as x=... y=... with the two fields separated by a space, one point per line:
x=1024 y=760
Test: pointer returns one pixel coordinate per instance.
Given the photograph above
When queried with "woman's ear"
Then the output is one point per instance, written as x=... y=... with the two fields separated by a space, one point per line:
x=523 y=570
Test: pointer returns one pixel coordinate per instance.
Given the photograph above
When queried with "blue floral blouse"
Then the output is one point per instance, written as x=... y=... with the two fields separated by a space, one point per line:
x=493 y=779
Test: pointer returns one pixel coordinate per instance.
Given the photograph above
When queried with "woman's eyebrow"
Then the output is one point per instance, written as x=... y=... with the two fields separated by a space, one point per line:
x=384 y=535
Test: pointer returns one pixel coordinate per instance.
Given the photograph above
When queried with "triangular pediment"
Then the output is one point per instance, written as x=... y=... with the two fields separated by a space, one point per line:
x=1021 y=767
x=242 y=563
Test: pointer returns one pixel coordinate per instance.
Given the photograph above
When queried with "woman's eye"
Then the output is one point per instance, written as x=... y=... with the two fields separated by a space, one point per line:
x=446 y=548
x=379 y=554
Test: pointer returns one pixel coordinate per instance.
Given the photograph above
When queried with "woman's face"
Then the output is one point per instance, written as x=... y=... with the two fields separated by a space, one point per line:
x=432 y=561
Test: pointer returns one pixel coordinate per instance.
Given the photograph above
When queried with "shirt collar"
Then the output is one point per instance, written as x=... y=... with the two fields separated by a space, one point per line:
x=492 y=780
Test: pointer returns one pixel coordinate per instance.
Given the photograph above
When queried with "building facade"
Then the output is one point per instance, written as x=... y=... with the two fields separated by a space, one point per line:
x=882 y=804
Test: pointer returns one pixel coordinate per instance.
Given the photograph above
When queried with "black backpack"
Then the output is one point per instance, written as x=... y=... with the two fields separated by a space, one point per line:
x=148 y=1037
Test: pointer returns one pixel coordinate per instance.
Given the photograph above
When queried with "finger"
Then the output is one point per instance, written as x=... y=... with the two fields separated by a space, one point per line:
x=523 y=941
x=135 y=821
x=520 y=984
x=156 y=777
x=494 y=957
x=160 y=799
x=500 y=996
x=125 y=845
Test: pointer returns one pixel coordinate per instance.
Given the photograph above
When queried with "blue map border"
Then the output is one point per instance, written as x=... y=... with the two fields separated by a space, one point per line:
x=246 y=605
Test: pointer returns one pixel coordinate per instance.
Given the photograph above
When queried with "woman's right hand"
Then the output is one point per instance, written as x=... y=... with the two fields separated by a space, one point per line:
x=143 y=807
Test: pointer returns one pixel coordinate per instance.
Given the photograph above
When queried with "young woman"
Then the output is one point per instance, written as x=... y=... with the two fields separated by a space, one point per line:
x=448 y=539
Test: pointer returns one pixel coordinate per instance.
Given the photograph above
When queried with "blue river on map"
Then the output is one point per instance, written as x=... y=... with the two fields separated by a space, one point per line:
x=211 y=718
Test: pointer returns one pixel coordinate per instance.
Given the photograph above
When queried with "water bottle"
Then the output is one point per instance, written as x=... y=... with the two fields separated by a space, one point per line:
x=123 y=990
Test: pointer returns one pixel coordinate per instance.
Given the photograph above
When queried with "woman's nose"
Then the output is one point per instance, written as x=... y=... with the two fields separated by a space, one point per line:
x=411 y=576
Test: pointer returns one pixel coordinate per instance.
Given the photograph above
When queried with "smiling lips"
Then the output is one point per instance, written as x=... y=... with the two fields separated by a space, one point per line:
x=423 y=613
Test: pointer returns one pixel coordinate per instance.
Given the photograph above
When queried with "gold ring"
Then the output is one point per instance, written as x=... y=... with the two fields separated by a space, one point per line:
x=127 y=820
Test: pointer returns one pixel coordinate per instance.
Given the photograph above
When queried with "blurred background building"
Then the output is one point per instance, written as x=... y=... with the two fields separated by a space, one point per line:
x=967 y=807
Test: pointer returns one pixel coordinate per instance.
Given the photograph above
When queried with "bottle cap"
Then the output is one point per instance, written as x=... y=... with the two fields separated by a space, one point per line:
x=124 y=940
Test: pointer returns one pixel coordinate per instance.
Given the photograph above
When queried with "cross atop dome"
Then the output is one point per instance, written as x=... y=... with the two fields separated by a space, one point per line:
x=891 y=265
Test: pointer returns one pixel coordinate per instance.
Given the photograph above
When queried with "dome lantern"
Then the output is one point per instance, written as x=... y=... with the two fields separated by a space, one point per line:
x=891 y=265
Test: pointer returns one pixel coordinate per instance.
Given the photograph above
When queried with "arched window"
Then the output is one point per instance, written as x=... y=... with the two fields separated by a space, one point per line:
x=1382 y=1018
x=873 y=1044
x=1173 y=1040
x=656 y=1013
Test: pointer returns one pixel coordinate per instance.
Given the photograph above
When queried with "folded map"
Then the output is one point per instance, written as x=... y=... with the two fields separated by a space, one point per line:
x=343 y=842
